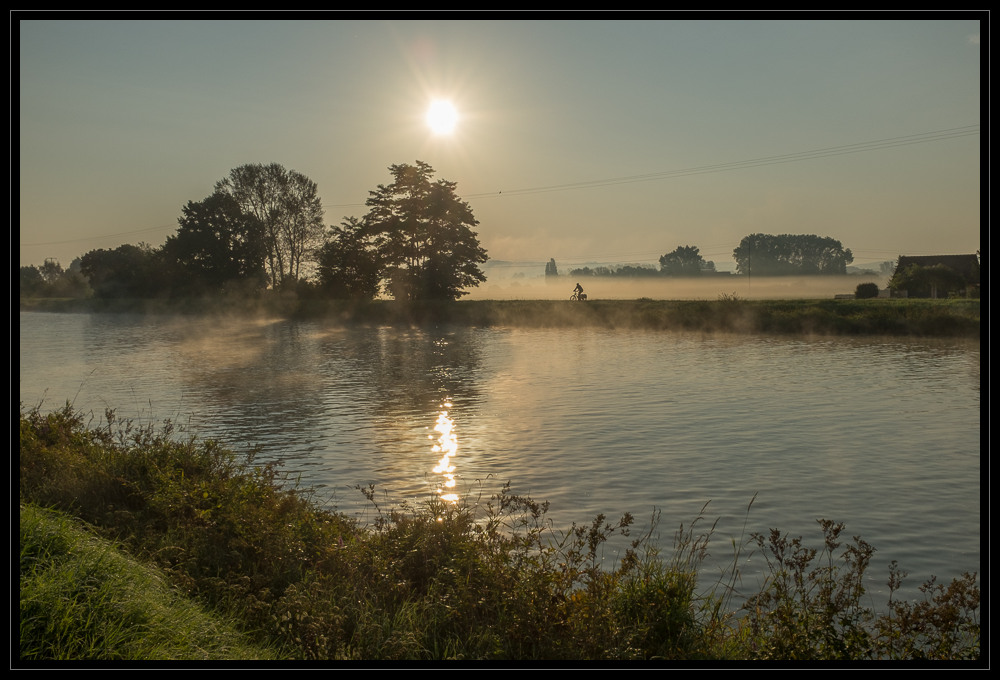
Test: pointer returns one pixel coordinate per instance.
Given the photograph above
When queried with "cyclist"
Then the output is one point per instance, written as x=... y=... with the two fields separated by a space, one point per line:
x=578 y=292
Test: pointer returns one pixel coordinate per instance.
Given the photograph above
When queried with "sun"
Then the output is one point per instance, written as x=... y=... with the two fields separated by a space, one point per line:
x=442 y=117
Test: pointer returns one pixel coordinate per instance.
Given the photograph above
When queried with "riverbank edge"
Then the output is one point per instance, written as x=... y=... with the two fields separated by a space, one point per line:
x=305 y=583
x=959 y=318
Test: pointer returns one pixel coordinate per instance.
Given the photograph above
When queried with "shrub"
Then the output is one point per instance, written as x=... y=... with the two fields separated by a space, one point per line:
x=866 y=290
x=484 y=579
x=811 y=608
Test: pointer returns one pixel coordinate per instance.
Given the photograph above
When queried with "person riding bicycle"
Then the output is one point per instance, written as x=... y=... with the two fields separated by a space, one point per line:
x=578 y=291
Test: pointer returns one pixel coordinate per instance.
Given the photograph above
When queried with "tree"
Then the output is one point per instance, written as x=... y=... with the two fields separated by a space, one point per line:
x=865 y=291
x=684 y=261
x=635 y=271
x=51 y=271
x=127 y=271
x=287 y=206
x=920 y=281
x=216 y=244
x=423 y=234
x=791 y=254
x=348 y=265
x=51 y=280
x=31 y=281
x=71 y=283
x=600 y=270
x=550 y=268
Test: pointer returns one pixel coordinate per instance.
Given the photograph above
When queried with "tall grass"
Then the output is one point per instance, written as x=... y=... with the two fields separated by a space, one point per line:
x=81 y=598
x=486 y=579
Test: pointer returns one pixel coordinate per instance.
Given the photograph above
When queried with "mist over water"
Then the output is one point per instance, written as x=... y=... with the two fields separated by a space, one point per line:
x=657 y=288
x=883 y=435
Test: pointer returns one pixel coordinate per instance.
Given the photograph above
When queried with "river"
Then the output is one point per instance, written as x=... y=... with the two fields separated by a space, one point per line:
x=880 y=434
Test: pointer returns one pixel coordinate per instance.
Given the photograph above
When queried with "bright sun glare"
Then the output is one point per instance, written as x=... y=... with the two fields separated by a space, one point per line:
x=442 y=117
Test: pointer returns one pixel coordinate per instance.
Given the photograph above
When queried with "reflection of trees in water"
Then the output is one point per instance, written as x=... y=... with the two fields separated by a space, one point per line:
x=253 y=365
x=336 y=404
x=257 y=384
x=414 y=371
x=407 y=379
x=391 y=371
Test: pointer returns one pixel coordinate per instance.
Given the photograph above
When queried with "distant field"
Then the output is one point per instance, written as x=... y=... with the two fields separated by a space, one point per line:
x=658 y=288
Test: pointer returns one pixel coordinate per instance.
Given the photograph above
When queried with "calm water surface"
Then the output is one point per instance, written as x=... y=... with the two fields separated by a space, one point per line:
x=881 y=434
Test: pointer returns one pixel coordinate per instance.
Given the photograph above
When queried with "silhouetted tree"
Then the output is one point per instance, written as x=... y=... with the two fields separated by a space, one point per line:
x=684 y=261
x=866 y=290
x=51 y=270
x=600 y=270
x=286 y=205
x=550 y=268
x=633 y=271
x=423 y=234
x=216 y=244
x=127 y=271
x=349 y=266
x=51 y=280
x=31 y=282
x=791 y=254
x=71 y=283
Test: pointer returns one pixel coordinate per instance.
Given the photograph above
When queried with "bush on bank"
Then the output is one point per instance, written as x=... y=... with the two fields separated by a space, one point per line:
x=490 y=580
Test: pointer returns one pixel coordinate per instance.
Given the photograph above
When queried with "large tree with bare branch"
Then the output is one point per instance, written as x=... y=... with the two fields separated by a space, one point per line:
x=287 y=205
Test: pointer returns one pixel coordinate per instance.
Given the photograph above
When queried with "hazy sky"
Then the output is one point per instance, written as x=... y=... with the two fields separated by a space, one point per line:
x=580 y=140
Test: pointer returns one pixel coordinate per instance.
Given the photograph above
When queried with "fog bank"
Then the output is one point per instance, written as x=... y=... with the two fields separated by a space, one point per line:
x=707 y=288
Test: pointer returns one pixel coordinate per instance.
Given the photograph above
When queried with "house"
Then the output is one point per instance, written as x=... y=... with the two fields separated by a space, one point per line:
x=966 y=266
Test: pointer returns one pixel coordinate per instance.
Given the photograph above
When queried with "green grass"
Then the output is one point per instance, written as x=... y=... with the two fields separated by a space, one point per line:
x=83 y=598
x=155 y=547
x=733 y=315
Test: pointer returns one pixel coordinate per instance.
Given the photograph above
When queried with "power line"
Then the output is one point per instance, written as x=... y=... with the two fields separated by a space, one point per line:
x=857 y=147
x=95 y=238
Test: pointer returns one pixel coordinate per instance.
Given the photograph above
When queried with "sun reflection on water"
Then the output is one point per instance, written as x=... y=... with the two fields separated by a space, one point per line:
x=447 y=446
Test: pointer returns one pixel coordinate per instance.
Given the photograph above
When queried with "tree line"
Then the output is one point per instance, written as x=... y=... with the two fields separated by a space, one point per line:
x=757 y=254
x=262 y=228
x=808 y=254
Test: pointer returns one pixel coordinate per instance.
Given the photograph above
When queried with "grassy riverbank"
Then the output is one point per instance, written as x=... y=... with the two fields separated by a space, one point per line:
x=137 y=544
x=729 y=314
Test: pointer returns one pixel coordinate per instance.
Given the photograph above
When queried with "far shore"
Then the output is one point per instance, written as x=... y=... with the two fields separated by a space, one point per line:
x=728 y=314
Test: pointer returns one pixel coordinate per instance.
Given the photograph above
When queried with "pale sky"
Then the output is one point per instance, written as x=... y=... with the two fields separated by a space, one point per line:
x=584 y=140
